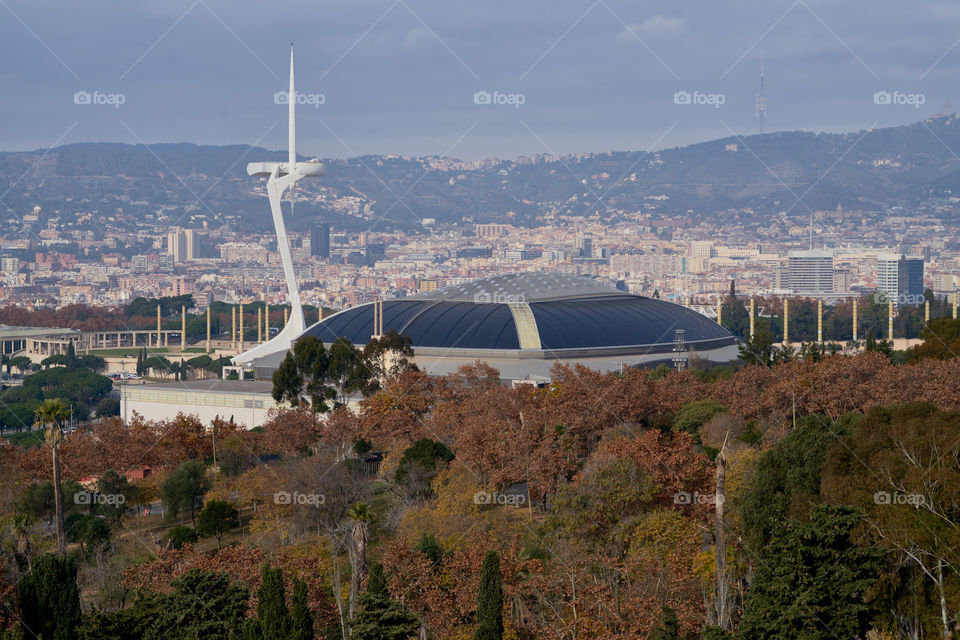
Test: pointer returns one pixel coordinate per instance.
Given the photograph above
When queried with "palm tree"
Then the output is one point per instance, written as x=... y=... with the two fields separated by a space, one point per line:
x=52 y=413
x=361 y=515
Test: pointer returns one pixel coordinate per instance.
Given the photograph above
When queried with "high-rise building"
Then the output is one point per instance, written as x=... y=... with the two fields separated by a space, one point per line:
x=320 y=241
x=810 y=273
x=190 y=239
x=585 y=246
x=900 y=278
x=177 y=244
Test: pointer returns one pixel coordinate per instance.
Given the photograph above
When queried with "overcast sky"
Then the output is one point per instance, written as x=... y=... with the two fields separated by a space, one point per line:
x=400 y=76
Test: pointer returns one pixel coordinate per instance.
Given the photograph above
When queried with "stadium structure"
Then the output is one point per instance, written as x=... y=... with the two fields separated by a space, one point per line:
x=524 y=323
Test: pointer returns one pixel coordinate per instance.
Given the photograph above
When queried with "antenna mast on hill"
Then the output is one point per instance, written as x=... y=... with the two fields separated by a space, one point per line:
x=761 y=100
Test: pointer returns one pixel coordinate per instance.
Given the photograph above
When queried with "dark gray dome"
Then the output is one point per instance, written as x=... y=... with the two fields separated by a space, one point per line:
x=533 y=311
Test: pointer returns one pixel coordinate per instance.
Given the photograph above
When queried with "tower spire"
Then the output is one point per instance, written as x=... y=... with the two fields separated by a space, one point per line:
x=292 y=102
x=761 y=100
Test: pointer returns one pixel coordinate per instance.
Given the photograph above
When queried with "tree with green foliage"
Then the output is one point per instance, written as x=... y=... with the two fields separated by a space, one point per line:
x=180 y=535
x=759 y=349
x=288 y=382
x=380 y=617
x=490 y=600
x=273 y=617
x=787 y=479
x=119 y=493
x=52 y=413
x=204 y=605
x=216 y=518
x=419 y=465
x=812 y=579
x=429 y=547
x=87 y=529
x=183 y=491
x=694 y=415
x=49 y=599
x=669 y=627
x=301 y=620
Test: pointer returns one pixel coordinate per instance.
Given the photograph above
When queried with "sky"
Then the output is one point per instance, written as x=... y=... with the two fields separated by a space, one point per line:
x=485 y=78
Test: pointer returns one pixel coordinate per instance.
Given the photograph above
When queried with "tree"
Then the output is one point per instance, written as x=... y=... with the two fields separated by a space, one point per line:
x=119 y=495
x=205 y=605
x=184 y=489
x=811 y=580
x=301 y=621
x=380 y=617
x=273 y=618
x=216 y=518
x=49 y=599
x=419 y=464
x=53 y=413
x=288 y=382
x=361 y=515
x=180 y=535
x=759 y=349
x=669 y=628
x=490 y=600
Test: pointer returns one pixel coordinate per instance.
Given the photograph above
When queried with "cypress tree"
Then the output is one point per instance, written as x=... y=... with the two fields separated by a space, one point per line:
x=49 y=599
x=272 y=613
x=302 y=621
x=490 y=600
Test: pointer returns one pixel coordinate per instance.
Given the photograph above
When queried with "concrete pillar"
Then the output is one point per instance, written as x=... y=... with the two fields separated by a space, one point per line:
x=890 y=320
x=954 y=305
x=240 y=313
x=786 y=320
x=286 y=316
x=926 y=311
x=720 y=312
x=753 y=310
x=208 y=329
x=183 y=327
x=855 y=320
x=259 y=326
x=233 y=327
x=158 y=325
x=266 y=321
x=820 y=321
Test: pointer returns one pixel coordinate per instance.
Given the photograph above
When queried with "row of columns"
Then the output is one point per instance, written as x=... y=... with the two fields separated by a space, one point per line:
x=786 y=317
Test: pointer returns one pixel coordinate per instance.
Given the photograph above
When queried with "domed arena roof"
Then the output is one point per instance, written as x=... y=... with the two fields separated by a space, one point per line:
x=553 y=314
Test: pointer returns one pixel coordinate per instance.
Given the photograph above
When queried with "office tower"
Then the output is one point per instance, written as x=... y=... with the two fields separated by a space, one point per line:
x=585 y=247
x=900 y=278
x=190 y=239
x=177 y=244
x=810 y=273
x=320 y=241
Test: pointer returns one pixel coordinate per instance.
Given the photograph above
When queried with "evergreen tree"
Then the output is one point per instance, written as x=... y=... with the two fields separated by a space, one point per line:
x=490 y=600
x=272 y=614
x=669 y=628
x=812 y=579
x=380 y=617
x=302 y=621
x=49 y=599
